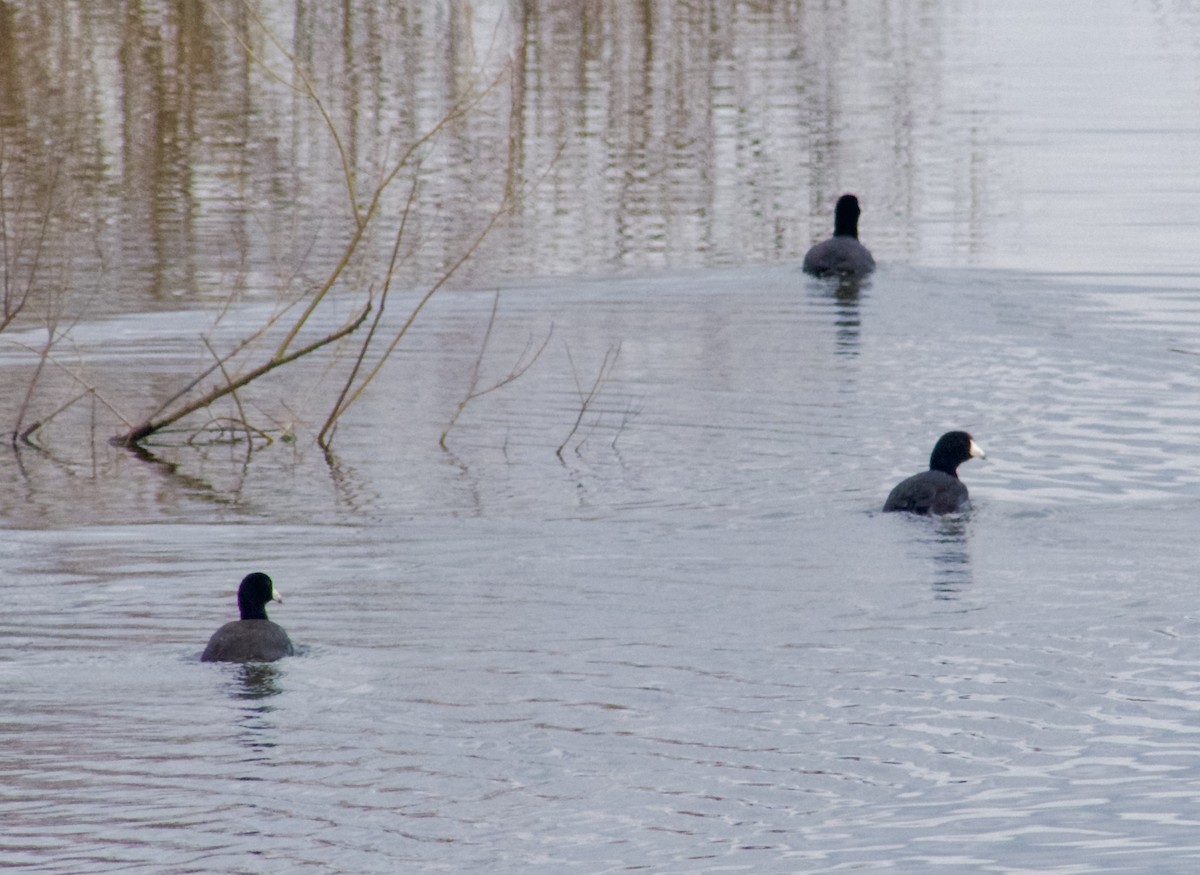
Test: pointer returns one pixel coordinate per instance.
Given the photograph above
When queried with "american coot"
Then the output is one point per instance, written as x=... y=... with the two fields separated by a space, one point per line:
x=937 y=490
x=253 y=638
x=841 y=254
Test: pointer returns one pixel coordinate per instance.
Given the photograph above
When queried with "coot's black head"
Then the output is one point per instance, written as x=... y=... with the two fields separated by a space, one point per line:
x=845 y=217
x=952 y=449
x=254 y=593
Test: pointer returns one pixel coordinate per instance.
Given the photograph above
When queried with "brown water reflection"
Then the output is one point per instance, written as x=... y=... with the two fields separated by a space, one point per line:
x=180 y=162
x=195 y=156
x=690 y=643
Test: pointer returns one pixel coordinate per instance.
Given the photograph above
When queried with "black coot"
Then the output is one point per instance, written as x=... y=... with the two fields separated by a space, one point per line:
x=253 y=638
x=841 y=254
x=937 y=490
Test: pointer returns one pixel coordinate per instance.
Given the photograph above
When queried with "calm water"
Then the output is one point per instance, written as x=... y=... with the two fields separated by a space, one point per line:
x=689 y=642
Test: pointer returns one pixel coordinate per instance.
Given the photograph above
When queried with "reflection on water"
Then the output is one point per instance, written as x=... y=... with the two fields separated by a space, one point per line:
x=179 y=166
x=952 y=556
x=197 y=156
x=692 y=643
x=695 y=630
x=942 y=544
x=255 y=685
x=845 y=294
x=255 y=681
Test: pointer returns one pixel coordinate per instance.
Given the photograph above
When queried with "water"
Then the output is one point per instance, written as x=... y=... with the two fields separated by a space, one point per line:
x=673 y=634
x=691 y=645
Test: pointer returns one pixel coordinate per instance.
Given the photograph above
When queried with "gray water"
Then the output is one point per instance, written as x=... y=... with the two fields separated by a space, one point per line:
x=680 y=637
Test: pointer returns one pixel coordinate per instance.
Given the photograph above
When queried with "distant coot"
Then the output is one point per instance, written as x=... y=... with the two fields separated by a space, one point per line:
x=253 y=638
x=841 y=254
x=937 y=490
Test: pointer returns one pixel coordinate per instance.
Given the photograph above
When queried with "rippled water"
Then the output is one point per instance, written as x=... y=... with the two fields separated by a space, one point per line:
x=693 y=644
x=673 y=633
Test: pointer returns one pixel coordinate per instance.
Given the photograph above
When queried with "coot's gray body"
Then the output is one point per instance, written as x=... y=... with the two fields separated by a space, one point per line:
x=842 y=254
x=938 y=490
x=248 y=641
x=253 y=638
x=926 y=493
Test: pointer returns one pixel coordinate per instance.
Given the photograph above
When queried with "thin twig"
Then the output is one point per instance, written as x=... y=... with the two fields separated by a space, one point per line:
x=232 y=392
x=518 y=370
x=14 y=300
x=610 y=360
x=149 y=427
x=630 y=412
x=353 y=396
x=26 y=436
x=178 y=407
x=324 y=437
x=309 y=91
x=457 y=111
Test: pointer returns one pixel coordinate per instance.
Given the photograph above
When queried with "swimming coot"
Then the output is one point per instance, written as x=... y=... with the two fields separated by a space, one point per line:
x=253 y=638
x=937 y=490
x=841 y=254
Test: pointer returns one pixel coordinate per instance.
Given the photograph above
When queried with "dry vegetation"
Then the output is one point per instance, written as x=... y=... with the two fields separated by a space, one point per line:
x=209 y=406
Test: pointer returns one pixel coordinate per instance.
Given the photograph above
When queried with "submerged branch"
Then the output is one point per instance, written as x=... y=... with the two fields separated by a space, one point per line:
x=326 y=433
x=522 y=365
x=45 y=358
x=585 y=400
x=352 y=396
x=237 y=401
x=150 y=426
x=363 y=221
x=176 y=407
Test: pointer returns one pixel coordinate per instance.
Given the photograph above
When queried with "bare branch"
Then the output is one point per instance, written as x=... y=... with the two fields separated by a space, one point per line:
x=151 y=426
x=457 y=111
x=606 y=366
x=325 y=435
x=519 y=368
x=353 y=396
x=232 y=392
x=26 y=436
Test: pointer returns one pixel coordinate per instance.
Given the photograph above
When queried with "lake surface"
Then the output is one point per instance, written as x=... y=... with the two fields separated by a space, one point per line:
x=659 y=626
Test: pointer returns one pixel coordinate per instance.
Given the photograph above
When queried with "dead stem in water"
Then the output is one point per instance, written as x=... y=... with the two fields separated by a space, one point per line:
x=524 y=362
x=182 y=404
x=586 y=399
